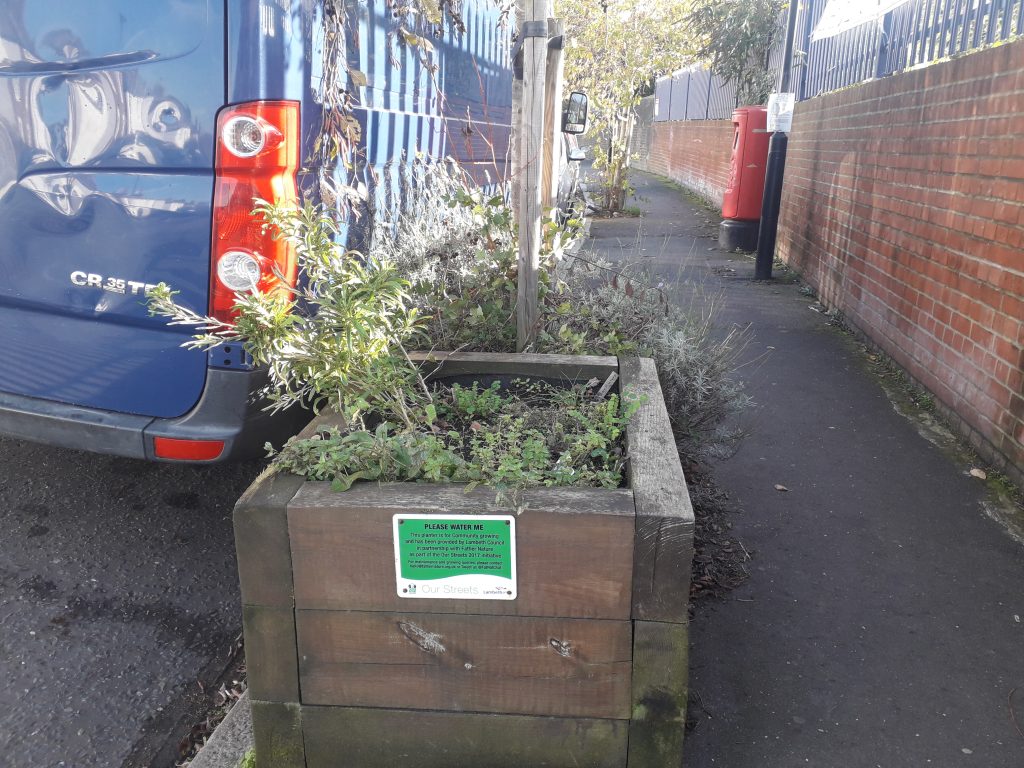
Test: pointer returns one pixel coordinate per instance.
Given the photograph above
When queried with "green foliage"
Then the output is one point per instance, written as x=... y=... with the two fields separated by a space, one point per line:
x=339 y=344
x=587 y=306
x=616 y=49
x=458 y=247
x=601 y=309
x=735 y=37
x=381 y=454
x=249 y=761
x=530 y=434
x=479 y=299
x=474 y=402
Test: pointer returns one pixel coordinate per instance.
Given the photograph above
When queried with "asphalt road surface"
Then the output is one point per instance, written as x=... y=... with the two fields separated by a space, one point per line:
x=118 y=591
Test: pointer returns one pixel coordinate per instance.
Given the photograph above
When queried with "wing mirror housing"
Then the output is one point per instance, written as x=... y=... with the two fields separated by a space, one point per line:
x=574 y=119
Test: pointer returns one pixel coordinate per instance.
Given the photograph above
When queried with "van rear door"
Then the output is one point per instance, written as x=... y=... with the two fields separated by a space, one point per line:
x=107 y=120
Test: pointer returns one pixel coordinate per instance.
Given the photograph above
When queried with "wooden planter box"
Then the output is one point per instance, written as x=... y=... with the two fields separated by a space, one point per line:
x=585 y=668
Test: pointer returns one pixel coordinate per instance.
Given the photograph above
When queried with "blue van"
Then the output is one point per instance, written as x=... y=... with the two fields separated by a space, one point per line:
x=133 y=137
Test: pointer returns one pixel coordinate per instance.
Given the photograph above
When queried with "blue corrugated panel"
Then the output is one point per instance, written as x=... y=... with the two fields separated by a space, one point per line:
x=723 y=99
x=680 y=93
x=663 y=99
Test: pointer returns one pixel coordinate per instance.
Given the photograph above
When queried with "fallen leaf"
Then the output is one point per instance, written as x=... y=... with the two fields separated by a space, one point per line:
x=781 y=487
x=979 y=473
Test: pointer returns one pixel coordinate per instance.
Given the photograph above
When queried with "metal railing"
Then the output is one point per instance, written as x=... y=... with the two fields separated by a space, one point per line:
x=915 y=33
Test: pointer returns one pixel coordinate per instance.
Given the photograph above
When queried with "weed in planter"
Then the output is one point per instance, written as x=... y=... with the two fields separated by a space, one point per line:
x=529 y=434
x=474 y=401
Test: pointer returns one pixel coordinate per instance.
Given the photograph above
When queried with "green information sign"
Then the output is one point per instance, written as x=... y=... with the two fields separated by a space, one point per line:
x=459 y=557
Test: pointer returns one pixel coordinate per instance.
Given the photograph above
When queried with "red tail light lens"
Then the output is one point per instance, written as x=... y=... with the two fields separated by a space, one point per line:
x=178 y=449
x=257 y=157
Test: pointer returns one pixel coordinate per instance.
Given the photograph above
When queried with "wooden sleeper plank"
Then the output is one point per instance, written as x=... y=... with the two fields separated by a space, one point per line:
x=664 y=514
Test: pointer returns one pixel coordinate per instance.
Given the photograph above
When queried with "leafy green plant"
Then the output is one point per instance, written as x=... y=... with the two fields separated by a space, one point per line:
x=381 y=454
x=617 y=50
x=735 y=38
x=527 y=434
x=623 y=310
x=458 y=247
x=474 y=401
x=588 y=305
x=339 y=344
x=446 y=279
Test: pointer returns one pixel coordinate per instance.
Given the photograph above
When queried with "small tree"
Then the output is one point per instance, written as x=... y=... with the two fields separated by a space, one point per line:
x=617 y=48
x=735 y=38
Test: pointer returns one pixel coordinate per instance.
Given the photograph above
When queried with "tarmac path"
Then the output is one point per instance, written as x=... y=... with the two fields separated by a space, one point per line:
x=118 y=592
x=882 y=623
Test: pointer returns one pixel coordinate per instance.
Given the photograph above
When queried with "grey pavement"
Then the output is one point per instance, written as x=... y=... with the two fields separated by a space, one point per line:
x=118 y=598
x=882 y=623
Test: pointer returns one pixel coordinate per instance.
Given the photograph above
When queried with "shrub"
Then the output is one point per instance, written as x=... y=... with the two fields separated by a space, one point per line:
x=458 y=247
x=619 y=310
x=340 y=345
x=444 y=276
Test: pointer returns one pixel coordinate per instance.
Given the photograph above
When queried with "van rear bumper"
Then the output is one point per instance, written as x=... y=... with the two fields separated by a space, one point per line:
x=227 y=411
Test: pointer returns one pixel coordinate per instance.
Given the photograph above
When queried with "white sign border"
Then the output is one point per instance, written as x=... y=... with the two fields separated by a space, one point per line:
x=468 y=580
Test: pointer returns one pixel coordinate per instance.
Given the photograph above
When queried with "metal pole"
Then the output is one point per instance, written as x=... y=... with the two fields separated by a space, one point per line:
x=775 y=167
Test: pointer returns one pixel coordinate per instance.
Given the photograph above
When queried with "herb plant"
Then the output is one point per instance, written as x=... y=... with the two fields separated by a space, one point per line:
x=339 y=345
x=440 y=238
x=528 y=434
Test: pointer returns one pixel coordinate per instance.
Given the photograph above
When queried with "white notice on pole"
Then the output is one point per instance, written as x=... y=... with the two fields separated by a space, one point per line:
x=780 y=112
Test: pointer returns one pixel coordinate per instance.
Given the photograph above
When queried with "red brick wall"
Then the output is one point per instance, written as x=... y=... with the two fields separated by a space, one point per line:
x=694 y=153
x=904 y=206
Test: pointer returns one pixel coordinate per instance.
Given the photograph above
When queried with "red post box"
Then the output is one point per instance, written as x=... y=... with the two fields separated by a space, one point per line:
x=741 y=204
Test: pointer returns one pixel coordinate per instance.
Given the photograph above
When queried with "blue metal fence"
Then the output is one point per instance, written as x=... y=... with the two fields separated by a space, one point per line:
x=915 y=33
x=693 y=94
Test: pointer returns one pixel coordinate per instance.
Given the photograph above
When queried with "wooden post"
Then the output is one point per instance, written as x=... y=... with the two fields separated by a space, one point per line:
x=553 y=113
x=516 y=126
x=534 y=33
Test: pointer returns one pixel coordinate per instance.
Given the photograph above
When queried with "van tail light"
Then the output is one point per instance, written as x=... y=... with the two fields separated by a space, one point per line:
x=257 y=157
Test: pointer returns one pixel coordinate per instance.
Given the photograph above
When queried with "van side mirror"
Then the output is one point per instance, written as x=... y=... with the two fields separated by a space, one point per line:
x=574 y=119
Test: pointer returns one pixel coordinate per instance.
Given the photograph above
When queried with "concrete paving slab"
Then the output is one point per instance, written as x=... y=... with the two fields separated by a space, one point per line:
x=231 y=740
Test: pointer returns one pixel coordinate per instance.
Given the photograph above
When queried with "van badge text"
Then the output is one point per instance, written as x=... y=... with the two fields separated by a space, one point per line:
x=112 y=284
